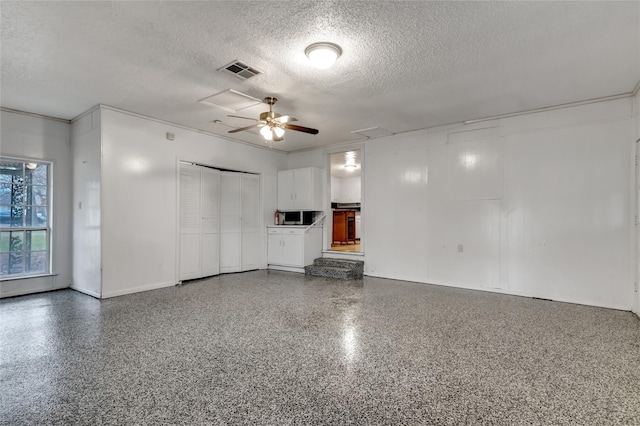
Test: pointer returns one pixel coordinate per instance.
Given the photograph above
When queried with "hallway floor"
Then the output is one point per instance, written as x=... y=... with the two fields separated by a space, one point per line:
x=277 y=348
x=346 y=247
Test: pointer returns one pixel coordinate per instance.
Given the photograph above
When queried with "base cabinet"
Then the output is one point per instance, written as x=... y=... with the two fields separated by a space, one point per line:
x=291 y=248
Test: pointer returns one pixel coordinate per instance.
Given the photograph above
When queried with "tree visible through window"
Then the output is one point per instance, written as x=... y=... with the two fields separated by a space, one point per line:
x=24 y=217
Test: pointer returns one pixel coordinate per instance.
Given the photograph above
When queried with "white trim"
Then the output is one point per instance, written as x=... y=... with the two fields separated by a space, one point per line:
x=87 y=112
x=347 y=255
x=49 y=228
x=84 y=291
x=32 y=114
x=286 y=268
x=138 y=289
x=25 y=277
x=508 y=293
x=180 y=126
x=550 y=108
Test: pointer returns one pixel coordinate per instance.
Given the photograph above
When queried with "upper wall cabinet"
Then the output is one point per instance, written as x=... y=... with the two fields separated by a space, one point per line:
x=300 y=189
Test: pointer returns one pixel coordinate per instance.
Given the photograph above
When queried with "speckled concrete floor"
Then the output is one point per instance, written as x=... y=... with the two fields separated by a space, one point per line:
x=281 y=348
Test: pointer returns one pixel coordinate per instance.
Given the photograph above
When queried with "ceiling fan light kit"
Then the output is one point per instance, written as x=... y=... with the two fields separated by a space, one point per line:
x=272 y=125
x=323 y=55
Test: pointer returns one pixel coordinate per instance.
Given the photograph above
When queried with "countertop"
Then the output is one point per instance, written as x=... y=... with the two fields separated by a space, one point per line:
x=292 y=226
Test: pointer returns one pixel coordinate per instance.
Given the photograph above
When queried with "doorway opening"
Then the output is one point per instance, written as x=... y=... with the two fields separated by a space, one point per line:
x=346 y=200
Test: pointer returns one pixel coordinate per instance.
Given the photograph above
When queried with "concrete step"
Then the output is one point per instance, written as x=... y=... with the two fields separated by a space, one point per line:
x=335 y=268
x=331 y=272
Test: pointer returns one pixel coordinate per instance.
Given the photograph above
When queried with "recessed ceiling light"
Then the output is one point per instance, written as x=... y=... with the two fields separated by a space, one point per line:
x=323 y=55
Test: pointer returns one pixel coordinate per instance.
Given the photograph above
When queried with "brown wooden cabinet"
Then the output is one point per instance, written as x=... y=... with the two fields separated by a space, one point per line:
x=344 y=226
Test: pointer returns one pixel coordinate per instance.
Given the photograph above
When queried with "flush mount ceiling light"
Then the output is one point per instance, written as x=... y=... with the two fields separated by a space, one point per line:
x=323 y=55
x=350 y=161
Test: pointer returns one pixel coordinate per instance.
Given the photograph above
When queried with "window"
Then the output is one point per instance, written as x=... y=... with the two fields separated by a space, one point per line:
x=25 y=230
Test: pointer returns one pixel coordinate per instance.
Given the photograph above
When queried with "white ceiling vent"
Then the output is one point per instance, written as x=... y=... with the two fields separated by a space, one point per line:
x=230 y=100
x=240 y=69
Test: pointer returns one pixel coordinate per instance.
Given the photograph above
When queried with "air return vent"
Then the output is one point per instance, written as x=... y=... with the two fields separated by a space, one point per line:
x=230 y=100
x=372 y=132
x=240 y=70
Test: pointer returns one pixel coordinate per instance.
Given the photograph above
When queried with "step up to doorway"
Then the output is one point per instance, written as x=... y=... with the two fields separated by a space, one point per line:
x=335 y=268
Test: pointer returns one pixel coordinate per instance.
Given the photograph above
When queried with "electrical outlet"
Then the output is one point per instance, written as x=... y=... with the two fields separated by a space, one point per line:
x=635 y=284
x=460 y=248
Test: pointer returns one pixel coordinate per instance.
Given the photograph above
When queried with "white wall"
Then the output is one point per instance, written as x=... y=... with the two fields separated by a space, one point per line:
x=536 y=205
x=86 y=154
x=636 y=137
x=139 y=194
x=38 y=138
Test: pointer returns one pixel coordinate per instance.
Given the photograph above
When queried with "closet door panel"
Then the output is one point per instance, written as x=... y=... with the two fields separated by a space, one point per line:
x=250 y=222
x=190 y=203
x=210 y=248
x=250 y=251
x=210 y=254
x=230 y=222
x=190 y=187
x=190 y=256
x=230 y=252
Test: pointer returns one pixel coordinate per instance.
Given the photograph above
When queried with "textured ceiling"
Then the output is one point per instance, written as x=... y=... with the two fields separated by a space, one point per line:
x=406 y=64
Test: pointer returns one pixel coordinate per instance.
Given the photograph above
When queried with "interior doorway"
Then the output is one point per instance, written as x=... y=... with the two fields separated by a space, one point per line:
x=346 y=201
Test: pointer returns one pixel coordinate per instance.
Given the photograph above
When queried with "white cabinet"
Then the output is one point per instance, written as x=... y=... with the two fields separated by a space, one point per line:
x=336 y=189
x=346 y=190
x=300 y=189
x=292 y=248
x=350 y=190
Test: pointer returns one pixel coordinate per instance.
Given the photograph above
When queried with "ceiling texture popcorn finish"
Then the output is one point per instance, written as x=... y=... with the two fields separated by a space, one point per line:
x=405 y=65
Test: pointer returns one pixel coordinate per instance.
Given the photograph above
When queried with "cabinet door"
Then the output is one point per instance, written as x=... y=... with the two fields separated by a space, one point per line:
x=303 y=189
x=336 y=189
x=292 y=249
x=286 y=190
x=339 y=227
x=351 y=190
x=274 y=249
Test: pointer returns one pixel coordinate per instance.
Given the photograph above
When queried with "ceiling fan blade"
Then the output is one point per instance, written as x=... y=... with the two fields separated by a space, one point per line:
x=301 y=128
x=239 y=116
x=242 y=129
x=285 y=119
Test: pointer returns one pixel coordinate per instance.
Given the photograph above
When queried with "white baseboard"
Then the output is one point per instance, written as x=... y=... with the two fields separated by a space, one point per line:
x=286 y=268
x=154 y=286
x=87 y=292
x=512 y=293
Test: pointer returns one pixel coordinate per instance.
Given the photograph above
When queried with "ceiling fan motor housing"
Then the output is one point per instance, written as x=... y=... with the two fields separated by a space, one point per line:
x=269 y=115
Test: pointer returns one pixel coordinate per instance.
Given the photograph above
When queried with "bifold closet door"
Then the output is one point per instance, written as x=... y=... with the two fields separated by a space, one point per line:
x=199 y=222
x=210 y=225
x=190 y=199
x=251 y=252
x=230 y=222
